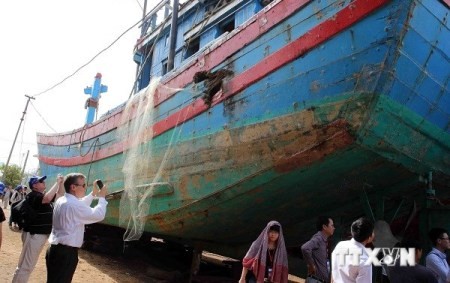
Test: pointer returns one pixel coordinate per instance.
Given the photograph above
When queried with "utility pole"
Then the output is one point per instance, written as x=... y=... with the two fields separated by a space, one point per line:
x=25 y=164
x=18 y=130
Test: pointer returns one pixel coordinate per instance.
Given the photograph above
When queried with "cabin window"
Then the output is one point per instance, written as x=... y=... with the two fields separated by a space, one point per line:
x=164 y=68
x=167 y=41
x=192 y=46
x=227 y=26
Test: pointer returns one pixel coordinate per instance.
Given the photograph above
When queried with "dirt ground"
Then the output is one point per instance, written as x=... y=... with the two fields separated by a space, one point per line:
x=101 y=267
x=91 y=267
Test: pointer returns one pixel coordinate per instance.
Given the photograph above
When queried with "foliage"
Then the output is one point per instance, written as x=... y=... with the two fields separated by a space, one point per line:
x=12 y=176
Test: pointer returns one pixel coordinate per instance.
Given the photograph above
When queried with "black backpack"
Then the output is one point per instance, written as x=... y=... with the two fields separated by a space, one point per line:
x=22 y=213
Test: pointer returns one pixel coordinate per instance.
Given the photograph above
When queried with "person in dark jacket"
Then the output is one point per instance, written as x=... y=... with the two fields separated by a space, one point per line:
x=35 y=235
x=411 y=274
x=315 y=250
x=2 y=219
x=18 y=195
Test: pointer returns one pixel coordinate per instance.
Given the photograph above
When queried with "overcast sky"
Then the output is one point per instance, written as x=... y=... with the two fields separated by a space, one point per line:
x=44 y=41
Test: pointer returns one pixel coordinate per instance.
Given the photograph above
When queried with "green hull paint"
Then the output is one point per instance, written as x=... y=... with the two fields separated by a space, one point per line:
x=406 y=138
x=218 y=179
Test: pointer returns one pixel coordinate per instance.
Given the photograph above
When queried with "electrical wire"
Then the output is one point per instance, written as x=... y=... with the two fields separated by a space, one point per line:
x=142 y=8
x=105 y=49
x=45 y=121
x=88 y=62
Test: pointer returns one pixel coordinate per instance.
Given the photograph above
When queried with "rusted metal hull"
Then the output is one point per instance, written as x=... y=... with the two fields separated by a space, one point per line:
x=326 y=108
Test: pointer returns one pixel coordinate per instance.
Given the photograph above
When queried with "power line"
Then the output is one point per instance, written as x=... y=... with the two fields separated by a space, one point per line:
x=142 y=8
x=48 y=125
x=88 y=62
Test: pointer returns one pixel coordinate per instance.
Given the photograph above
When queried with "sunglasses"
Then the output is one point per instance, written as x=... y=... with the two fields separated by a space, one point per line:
x=78 y=185
x=41 y=181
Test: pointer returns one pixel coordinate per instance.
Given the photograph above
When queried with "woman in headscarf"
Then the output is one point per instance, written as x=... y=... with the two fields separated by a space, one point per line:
x=266 y=260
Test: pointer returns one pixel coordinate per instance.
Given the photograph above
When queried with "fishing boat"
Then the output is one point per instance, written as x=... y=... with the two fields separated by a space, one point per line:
x=253 y=110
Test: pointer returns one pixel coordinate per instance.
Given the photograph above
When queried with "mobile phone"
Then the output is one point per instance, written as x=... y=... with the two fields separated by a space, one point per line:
x=100 y=184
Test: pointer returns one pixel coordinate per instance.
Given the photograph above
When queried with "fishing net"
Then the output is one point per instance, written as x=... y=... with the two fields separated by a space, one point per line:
x=143 y=170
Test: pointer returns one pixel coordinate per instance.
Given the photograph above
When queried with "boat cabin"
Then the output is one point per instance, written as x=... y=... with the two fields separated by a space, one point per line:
x=199 y=24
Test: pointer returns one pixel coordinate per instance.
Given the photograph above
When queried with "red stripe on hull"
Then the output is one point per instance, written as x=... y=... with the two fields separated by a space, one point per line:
x=265 y=20
x=317 y=35
x=207 y=61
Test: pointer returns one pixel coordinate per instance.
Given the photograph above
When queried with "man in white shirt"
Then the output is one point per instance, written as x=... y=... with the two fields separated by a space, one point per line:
x=349 y=260
x=70 y=214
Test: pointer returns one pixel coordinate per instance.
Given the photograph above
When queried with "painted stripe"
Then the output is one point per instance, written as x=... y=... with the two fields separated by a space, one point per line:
x=260 y=24
x=270 y=16
x=317 y=35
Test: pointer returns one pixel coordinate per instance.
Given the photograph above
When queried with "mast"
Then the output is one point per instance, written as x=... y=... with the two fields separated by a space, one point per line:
x=173 y=36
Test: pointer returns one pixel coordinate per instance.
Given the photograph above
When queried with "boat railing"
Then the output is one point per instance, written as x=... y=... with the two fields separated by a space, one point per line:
x=150 y=21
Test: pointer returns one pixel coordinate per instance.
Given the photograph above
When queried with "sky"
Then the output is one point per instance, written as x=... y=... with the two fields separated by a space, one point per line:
x=45 y=41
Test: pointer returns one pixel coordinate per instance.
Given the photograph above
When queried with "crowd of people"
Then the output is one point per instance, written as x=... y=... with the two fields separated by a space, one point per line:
x=64 y=209
x=349 y=262
x=59 y=217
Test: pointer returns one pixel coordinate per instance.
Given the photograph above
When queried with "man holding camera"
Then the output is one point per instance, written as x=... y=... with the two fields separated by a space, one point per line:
x=70 y=214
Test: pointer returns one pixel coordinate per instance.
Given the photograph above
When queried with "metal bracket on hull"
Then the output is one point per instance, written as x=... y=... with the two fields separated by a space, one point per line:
x=156 y=189
x=379 y=213
x=366 y=204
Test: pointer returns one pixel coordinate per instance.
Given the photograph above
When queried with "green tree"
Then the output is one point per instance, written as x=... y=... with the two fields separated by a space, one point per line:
x=12 y=176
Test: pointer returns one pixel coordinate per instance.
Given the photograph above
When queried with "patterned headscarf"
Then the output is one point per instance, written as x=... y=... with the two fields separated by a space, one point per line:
x=255 y=259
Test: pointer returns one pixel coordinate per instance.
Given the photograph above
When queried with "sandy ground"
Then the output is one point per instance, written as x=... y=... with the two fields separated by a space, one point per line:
x=91 y=267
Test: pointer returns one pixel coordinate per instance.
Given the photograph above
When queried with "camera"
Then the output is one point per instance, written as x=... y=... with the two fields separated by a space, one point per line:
x=100 y=184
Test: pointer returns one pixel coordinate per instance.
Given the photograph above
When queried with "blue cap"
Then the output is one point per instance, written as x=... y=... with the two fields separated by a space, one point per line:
x=2 y=186
x=36 y=179
x=19 y=187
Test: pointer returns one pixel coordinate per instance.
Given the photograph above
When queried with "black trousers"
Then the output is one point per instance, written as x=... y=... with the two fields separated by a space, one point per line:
x=61 y=263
